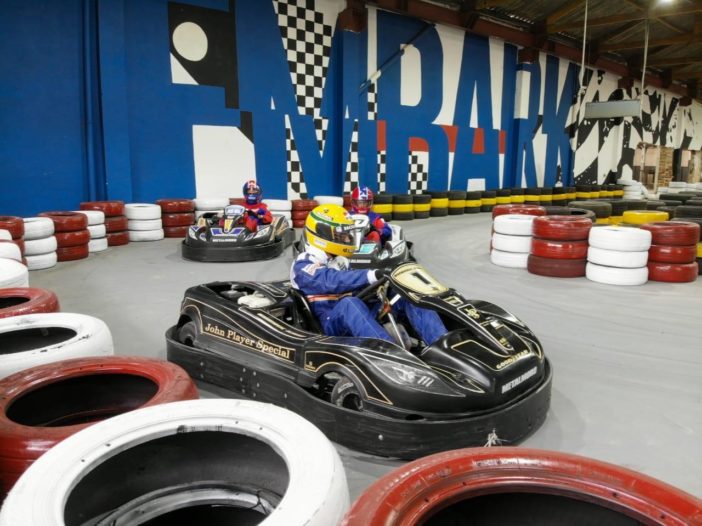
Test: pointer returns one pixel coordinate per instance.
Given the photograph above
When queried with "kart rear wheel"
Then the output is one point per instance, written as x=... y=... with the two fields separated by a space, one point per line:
x=346 y=394
x=186 y=334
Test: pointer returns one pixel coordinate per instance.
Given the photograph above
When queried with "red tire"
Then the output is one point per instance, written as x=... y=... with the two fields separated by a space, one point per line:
x=14 y=225
x=305 y=204
x=547 y=248
x=116 y=239
x=298 y=223
x=111 y=208
x=672 y=253
x=672 y=272
x=20 y=243
x=27 y=300
x=448 y=483
x=116 y=224
x=67 y=221
x=179 y=219
x=176 y=206
x=72 y=239
x=563 y=228
x=236 y=201
x=556 y=268
x=44 y=405
x=72 y=253
x=300 y=214
x=175 y=231
x=673 y=232
x=532 y=210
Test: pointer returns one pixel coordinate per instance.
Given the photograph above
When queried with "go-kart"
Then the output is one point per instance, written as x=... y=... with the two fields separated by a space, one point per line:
x=396 y=250
x=485 y=379
x=223 y=237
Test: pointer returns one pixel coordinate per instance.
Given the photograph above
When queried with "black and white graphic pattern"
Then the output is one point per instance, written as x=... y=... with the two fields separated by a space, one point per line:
x=382 y=169
x=351 y=176
x=418 y=176
x=296 y=181
x=372 y=102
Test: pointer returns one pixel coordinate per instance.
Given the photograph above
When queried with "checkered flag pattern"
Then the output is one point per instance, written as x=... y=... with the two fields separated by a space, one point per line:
x=382 y=169
x=320 y=129
x=351 y=176
x=372 y=102
x=296 y=181
x=418 y=176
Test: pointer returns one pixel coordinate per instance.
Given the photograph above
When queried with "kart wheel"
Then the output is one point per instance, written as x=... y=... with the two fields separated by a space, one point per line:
x=346 y=394
x=187 y=333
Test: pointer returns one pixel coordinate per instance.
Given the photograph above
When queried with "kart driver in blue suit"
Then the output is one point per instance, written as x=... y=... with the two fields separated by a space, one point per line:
x=321 y=273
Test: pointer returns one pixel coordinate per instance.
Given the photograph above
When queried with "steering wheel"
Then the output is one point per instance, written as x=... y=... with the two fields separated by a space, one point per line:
x=366 y=293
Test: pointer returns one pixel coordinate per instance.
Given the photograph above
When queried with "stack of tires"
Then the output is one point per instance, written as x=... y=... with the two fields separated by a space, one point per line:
x=204 y=205
x=72 y=234
x=632 y=189
x=39 y=243
x=300 y=210
x=531 y=210
x=96 y=227
x=382 y=205
x=474 y=202
x=421 y=206
x=546 y=195
x=144 y=222
x=558 y=197
x=618 y=207
x=439 y=203
x=504 y=196
x=641 y=217
x=26 y=300
x=673 y=252
x=618 y=255
x=177 y=215
x=11 y=243
x=488 y=200
x=511 y=240
x=283 y=207
x=691 y=211
x=402 y=207
x=457 y=202
x=559 y=247
x=532 y=196
x=516 y=195
x=582 y=192
x=115 y=221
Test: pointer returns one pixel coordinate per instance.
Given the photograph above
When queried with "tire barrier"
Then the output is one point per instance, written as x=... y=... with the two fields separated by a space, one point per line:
x=178 y=219
x=556 y=268
x=109 y=208
x=382 y=205
x=10 y=250
x=601 y=209
x=618 y=256
x=673 y=233
x=5 y=235
x=175 y=231
x=13 y=274
x=504 y=197
x=97 y=245
x=300 y=209
x=402 y=207
x=641 y=217
x=653 y=204
x=516 y=195
x=674 y=262
x=277 y=466
x=176 y=206
x=26 y=300
x=559 y=247
x=509 y=259
x=620 y=238
x=488 y=200
x=44 y=405
x=144 y=222
x=672 y=272
x=116 y=239
x=347 y=202
x=421 y=206
x=545 y=195
x=176 y=216
x=595 y=191
x=37 y=228
x=558 y=197
x=439 y=203
x=72 y=253
x=457 y=202
x=67 y=221
x=329 y=200
x=547 y=248
x=511 y=240
x=514 y=224
x=672 y=253
x=210 y=203
x=687 y=210
x=570 y=211
x=71 y=234
x=72 y=239
x=562 y=228
x=582 y=192
x=532 y=210
x=114 y=222
x=508 y=243
x=473 y=202
x=532 y=196
x=13 y=225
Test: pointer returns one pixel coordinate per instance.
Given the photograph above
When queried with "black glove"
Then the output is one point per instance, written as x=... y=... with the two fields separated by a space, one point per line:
x=381 y=273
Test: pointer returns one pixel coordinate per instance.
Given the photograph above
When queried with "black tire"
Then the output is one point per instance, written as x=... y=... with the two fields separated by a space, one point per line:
x=516 y=191
x=438 y=212
x=187 y=333
x=402 y=199
x=438 y=194
x=546 y=190
x=600 y=208
x=421 y=215
x=473 y=195
x=654 y=204
x=421 y=199
x=670 y=210
x=619 y=206
x=403 y=216
x=456 y=194
x=530 y=195
x=688 y=211
x=505 y=192
x=634 y=204
x=346 y=394
x=383 y=199
x=675 y=197
x=456 y=211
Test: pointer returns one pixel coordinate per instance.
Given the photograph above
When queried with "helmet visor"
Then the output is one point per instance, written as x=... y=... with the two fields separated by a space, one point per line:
x=363 y=204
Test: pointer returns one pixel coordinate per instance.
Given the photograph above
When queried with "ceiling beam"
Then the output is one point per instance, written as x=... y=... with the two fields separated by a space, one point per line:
x=661 y=21
x=639 y=44
x=673 y=61
x=563 y=11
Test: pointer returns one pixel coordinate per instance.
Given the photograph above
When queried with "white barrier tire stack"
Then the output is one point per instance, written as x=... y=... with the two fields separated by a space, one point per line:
x=281 y=207
x=144 y=221
x=39 y=243
x=204 y=205
x=96 y=227
x=511 y=240
x=618 y=255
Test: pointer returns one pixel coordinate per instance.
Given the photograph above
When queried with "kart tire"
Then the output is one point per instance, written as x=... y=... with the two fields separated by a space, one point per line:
x=532 y=210
x=328 y=200
x=46 y=404
x=41 y=261
x=263 y=451
x=672 y=253
x=72 y=253
x=110 y=208
x=556 y=268
x=617 y=258
x=97 y=245
x=601 y=209
x=37 y=228
x=72 y=239
x=346 y=394
x=641 y=217
x=97 y=231
x=144 y=224
x=142 y=211
x=509 y=259
x=14 y=225
x=562 y=228
x=116 y=239
x=116 y=224
x=146 y=235
x=616 y=275
x=177 y=219
x=36 y=339
x=210 y=203
x=671 y=272
x=13 y=274
x=513 y=224
x=303 y=205
x=548 y=248
x=10 y=250
x=673 y=232
x=175 y=206
x=620 y=238
x=18 y=301
x=67 y=221
x=508 y=243
x=555 y=488
x=95 y=217
x=175 y=231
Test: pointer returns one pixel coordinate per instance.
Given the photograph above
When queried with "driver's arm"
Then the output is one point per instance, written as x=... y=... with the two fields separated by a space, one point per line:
x=312 y=278
x=264 y=215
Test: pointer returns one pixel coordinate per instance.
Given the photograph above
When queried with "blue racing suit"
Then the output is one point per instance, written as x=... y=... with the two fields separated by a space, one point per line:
x=328 y=291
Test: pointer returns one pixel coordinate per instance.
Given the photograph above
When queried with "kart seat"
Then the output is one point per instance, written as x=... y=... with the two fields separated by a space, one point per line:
x=302 y=313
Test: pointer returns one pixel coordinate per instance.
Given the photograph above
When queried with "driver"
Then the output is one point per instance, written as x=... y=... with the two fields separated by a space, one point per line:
x=361 y=203
x=258 y=213
x=321 y=273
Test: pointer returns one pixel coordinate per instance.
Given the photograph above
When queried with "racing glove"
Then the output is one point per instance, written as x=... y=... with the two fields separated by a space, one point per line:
x=339 y=263
x=378 y=224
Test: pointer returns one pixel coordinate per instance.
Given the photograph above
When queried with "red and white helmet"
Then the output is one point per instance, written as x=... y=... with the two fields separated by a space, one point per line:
x=362 y=199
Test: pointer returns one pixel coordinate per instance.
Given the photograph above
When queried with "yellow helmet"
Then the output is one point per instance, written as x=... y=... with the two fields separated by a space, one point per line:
x=329 y=228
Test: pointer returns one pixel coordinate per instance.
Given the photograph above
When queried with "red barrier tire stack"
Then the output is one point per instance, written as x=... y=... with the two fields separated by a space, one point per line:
x=618 y=255
x=14 y=246
x=39 y=243
x=300 y=209
x=72 y=234
x=27 y=300
x=673 y=251
x=530 y=210
x=177 y=215
x=511 y=240
x=559 y=247
x=115 y=220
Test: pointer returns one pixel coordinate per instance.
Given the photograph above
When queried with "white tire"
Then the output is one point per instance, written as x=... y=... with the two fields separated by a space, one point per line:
x=508 y=243
x=624 y=239
x=617 y=258
x=144 y=224
x=5 y=234
x=97 y=231
x=513 y=224
x=97 y=245
x=12 y=274
x=278 y=205
x=41 y=261
x=616 y=276
x=95 y=217
x=36 y=247
x=211 y=203
x=264 y=451
x=627 y=182
x=146 y=235
x=9 y=250
x=142 y=211
x=329 y=200
x=509 y=259
x=37 y=228
x=199 y=213
x=286 y=215
x=65 y=335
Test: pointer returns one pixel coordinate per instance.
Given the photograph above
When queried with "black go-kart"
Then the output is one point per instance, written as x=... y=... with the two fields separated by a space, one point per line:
x=369 y=255
x=222 y=237
x=485 y=381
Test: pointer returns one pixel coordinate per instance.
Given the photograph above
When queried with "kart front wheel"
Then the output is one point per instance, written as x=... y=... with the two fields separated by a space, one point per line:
x=187 y=333
x=346 y=394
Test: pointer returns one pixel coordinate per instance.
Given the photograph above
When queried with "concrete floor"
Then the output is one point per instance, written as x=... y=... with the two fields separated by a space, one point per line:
x=627 y=361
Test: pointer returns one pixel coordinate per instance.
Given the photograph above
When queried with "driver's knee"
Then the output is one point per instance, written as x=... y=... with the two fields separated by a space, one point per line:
x=351 y=305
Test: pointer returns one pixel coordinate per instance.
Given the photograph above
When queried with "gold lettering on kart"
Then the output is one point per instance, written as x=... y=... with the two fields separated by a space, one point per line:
x=232 y=335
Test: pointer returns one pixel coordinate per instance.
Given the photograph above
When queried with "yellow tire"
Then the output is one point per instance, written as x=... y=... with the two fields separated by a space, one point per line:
x=457 y=203
x=487 y=201
x=602 y=221
x=382 y=209
x=504 y=200
x=517 y=199
x=615 y=220
x=440 y=203
x=403 y=208
x=421 y=207
x=546 y=198
x=641 y=217
x=699 y=250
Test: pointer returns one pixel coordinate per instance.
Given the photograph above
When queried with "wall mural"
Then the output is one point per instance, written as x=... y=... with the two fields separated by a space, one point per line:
x=319 y=110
